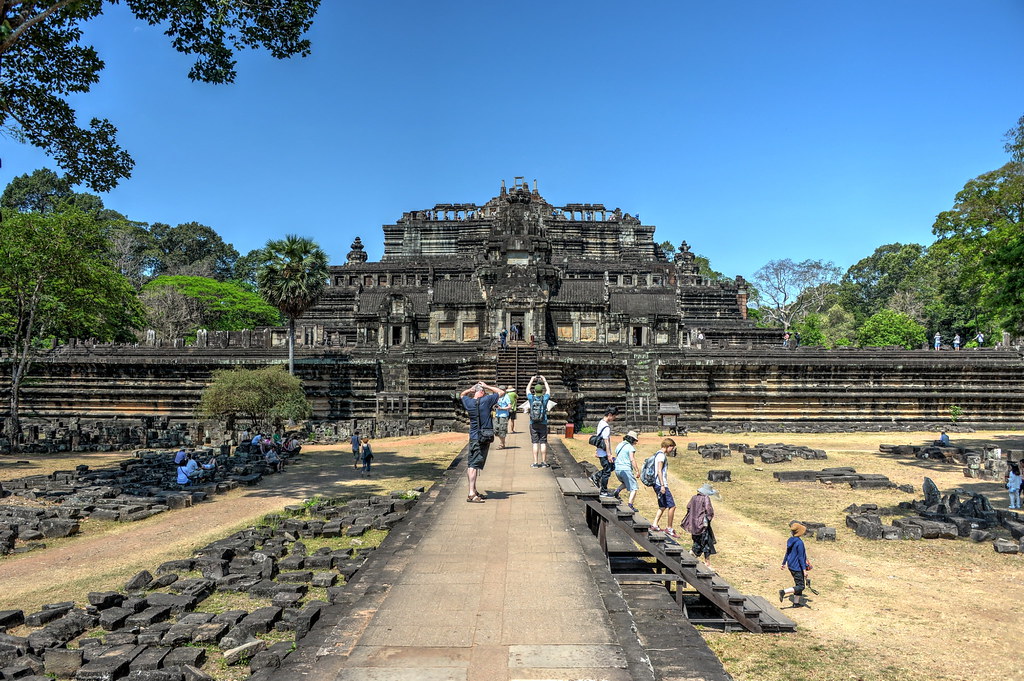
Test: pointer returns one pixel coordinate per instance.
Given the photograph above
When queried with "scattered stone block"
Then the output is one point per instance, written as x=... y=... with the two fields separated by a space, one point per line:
x=192 y=656
x=825 y=534
x=1006 y=546
x=62 y=663
x=139 y=582
x=719 y=476
x=244 y=651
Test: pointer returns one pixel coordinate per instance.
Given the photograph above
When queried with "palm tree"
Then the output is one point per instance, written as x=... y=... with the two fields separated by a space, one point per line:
x=291 y=277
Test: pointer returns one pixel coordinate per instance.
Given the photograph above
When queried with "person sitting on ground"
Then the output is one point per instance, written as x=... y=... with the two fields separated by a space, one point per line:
x=180 y=457
x=273 y=460
x=666 y=504
x=256 y=439
x=293 y=446
x=191 y=470
x=366 y=453
x=944 y=439
x=796 y=560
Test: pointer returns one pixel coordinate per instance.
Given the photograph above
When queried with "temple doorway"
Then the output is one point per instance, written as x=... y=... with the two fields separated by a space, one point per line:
x=516 y=321
x=638 y=335
x=396 y=335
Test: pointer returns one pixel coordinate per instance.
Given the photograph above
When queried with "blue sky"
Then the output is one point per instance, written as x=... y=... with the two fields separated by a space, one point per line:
x=754 y=130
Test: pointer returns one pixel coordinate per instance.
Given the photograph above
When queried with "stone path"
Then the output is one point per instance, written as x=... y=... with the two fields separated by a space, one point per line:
x=488 y=592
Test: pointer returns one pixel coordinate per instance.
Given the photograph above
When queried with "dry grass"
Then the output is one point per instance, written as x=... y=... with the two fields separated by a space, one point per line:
x=888 y=611
x=106 y=555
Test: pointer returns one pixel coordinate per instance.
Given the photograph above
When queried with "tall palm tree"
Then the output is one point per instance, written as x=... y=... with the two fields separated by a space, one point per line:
x=291 y=277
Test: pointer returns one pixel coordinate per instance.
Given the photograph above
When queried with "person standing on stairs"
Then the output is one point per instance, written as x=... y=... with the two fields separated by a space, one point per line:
x=604 y=434
x=539 y=398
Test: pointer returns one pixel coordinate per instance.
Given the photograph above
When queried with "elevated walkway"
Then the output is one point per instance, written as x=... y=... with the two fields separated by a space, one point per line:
x=513 y=588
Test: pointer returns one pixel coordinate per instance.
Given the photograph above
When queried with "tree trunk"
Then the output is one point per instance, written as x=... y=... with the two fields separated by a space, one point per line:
x=12 y=424
x=291 y=346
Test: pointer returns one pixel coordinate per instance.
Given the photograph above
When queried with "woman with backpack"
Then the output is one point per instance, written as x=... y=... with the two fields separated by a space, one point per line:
x=366 y=452
x=625 y=467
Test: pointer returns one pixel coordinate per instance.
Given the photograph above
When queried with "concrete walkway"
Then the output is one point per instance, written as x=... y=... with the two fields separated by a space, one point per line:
x=487 y=592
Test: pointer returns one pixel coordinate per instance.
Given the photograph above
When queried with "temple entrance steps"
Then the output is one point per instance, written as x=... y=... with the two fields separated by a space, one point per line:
x=638 y=555
x=515 y=365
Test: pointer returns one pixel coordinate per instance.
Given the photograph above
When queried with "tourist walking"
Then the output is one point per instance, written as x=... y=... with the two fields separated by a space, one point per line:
x=666 y=504
x=699 y=514
x=625 y=467
x=479 y=399
x=956 y=342
x=513 y=404
x=1013 y=485
x=938 y=340
x=501 y=415
x=356 y=444
x=796 y=561
x=366 y=454
x=539 y=397
x=603 y=433
x=503 y=336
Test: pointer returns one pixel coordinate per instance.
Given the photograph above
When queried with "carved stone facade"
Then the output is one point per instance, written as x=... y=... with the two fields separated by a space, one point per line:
x=566 y=275
x=605 y=316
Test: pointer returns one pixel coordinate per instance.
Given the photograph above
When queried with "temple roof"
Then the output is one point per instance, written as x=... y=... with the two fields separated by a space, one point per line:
x=644 y=303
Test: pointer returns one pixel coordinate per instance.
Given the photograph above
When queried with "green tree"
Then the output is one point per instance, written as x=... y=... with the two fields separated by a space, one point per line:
x=56 y=283
x=44 y=62
x=888 y=328
x=177 y=306
x=838 y=326
x=44 y=191
x=811 y=330
x=705 y=270
x=246 y=267
x=987 y=223
x=191 y=249
x=292 y=277
x=264 y=397
x=870 y=284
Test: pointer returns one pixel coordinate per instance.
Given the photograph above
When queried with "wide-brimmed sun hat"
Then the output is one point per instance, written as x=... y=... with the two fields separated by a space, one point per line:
x=707 y=490
x=631 y=435
x=797 y=529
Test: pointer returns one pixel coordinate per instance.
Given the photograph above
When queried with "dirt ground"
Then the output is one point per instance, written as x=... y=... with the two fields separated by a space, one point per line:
x=888 y=610
x=106 y=554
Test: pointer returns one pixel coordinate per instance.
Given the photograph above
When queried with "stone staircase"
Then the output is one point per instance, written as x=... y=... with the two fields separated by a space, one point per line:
x=515 y=365
x=642 y=393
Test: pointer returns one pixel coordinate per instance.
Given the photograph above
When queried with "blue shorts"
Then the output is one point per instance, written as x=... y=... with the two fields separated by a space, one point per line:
x=627 y=478
x=665 y=500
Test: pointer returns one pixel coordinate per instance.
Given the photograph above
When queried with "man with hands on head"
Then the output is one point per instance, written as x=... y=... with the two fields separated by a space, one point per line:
x=479 y=399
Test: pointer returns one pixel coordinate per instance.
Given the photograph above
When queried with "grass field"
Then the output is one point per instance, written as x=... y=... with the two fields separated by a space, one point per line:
x=888 y=610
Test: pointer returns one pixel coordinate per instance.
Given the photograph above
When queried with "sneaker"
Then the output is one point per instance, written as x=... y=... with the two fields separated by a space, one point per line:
x=545 y=464
x=632 y=508
x=655 y=528
x=672 y=533
x=605 y=493
x=782 y=595
x=534 y=465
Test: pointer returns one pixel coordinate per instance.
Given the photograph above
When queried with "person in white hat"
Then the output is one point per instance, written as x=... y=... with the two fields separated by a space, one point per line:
x=625 y=467
x=699 y=513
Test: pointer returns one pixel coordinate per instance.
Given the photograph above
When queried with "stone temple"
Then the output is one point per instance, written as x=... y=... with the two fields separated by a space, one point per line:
x=604 y=314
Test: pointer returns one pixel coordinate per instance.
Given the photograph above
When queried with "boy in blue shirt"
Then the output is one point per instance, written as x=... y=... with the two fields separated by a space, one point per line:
x=796 y=560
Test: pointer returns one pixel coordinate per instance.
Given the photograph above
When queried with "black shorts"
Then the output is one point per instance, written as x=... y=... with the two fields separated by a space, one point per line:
x=538 y=433
x=511 y=414
x=477 y=456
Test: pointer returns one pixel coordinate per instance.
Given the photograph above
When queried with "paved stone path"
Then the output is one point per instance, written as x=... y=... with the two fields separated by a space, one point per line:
x=488 y=592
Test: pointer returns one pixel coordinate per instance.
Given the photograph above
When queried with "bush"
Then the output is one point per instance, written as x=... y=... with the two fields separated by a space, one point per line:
x=262 y=396
x=889 y=327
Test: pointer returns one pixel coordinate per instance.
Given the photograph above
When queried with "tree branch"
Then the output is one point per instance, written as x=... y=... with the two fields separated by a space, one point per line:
x=28 y=23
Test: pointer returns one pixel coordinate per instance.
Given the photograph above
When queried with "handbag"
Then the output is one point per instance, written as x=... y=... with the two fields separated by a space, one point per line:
x=596 y=440
x=486 y=434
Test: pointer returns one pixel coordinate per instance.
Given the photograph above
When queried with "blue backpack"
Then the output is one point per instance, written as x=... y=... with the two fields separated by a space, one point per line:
x=538 y=409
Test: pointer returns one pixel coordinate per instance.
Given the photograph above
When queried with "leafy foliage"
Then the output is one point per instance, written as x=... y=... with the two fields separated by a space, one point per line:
x=191 y=249
x=57 y=283
x=176 y=306
x=871 y=283
x=811 y=330
x=262 y=397
x=292 y=277
x=45 y=62
x=986 y=224
x=890 y=328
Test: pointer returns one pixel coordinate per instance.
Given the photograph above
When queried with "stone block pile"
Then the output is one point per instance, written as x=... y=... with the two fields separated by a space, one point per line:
x=154 y=628
x=839 y=475
x=957 y=514
x=133 y=490
x=778 y=453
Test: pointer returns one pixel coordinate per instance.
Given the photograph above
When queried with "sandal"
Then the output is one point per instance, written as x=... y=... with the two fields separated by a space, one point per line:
x=475 y=499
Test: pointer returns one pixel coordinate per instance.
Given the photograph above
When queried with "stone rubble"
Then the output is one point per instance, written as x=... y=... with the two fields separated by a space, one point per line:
x=143 y=634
